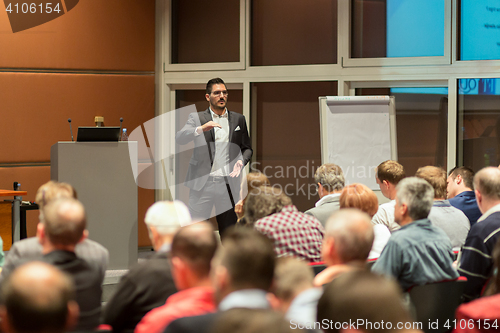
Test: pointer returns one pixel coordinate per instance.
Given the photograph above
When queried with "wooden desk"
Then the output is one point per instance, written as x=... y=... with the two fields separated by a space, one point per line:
x=10 y=212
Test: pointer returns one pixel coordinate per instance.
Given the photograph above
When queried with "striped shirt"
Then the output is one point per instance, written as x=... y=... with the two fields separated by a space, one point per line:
x=476 y=262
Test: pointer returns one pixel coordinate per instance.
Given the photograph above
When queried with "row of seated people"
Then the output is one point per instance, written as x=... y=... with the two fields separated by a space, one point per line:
x=240 y=286
x=61 y=240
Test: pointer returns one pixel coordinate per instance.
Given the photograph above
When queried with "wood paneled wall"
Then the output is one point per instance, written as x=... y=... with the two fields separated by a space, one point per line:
x=95 y=60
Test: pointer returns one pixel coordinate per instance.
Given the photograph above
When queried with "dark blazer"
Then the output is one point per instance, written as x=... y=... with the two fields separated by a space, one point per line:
x=88 y=286
x=146 y=286
x=201 y=161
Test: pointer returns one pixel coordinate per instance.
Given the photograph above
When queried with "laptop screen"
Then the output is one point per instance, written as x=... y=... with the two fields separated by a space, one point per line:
x=87 y=134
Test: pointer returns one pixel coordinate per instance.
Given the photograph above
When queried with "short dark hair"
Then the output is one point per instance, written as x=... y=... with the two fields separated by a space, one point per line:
x=248 y=257
x=364 y=295
x=466 y=173
x=210 y=83
x=391 y=171
x=35 y=305
x=196 y=244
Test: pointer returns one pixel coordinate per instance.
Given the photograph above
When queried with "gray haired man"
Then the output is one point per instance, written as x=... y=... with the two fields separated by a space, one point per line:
x=419 y=253
x=330 y=181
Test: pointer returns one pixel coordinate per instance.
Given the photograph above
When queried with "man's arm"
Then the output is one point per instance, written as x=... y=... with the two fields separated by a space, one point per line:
x=187 y=133
x=246 y=144
x=193 y=128
x=475 y=264
x=390 y=261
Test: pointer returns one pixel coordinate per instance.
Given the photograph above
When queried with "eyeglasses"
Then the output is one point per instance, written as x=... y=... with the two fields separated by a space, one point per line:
x=218 y=92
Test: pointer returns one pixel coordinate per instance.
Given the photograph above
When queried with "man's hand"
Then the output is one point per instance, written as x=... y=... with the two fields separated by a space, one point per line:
x=237 y=169
x=209 y=125
x=238 y=209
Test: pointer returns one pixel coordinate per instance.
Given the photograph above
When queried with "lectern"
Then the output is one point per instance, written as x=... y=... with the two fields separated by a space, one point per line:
x=102 y=174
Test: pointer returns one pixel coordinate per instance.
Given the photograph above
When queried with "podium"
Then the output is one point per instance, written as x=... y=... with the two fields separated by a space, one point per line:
x=102 y=174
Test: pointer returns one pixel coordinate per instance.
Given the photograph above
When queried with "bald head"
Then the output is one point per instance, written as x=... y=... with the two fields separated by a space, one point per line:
x=352 y=233
x=38 y=298
x=362 y=295
x=64 y=221
x=487 y=182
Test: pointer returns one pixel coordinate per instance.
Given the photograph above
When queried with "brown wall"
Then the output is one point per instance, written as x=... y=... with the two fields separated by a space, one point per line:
x=95 y=60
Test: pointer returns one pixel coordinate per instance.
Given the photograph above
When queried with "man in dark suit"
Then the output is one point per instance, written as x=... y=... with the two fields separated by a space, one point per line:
x=62 y=227
x=222 y=148
x=148 y=284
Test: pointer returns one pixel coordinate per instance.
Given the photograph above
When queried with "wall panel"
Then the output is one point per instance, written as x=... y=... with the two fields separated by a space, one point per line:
x=36 y=107
x=95 y=34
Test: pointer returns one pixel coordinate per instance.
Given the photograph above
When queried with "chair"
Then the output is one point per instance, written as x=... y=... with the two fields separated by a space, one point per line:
x=317 y=267
x=437 y=302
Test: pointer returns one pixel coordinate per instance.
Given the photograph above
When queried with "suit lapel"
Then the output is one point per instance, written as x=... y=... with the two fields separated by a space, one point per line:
x=210 y=136
x=232 y=125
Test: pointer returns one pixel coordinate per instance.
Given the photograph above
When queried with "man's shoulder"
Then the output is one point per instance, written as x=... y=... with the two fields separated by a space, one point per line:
x=27 y=246
x=158 y=264
x=193 y=324
x=485 y=227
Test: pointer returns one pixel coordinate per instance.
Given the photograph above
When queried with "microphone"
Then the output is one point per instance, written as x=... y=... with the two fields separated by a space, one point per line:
x=121 y=122
x=71 y=129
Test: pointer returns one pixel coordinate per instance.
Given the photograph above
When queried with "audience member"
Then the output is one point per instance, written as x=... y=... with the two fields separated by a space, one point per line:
x=361 y=197
x=443 y=215
x=253 y=321
x=348 y=240
x=485 y=309
x=62 y=227
x=242 y=273
x=461 y=192
x=148 y=285
x=253 y=180
x=419 y=252
x=38 y=297
x=192 y=250
x=475 y=261
x=372 y=302
x=388 y=176
x=293 y=233
x=264 y=201
x=30 y=248
x=330 y=181
x=293 y=287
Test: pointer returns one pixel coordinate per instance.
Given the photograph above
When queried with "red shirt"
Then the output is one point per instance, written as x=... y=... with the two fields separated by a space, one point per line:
x=481 y=315
x=190 y=302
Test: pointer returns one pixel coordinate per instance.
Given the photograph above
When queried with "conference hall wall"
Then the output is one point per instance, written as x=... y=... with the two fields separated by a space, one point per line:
x=95 y=59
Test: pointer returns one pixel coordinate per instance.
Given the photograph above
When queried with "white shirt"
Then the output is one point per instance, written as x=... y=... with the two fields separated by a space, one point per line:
x=385 y=216
x=220 y=167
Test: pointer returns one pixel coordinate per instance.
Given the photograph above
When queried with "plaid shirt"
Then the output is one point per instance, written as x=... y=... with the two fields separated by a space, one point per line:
x=295 y=234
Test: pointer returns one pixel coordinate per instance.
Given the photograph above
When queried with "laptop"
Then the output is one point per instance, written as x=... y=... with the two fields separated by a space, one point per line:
x=103 y=134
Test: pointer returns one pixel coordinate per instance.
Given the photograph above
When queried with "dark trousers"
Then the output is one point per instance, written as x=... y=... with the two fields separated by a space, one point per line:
x=216 y=193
